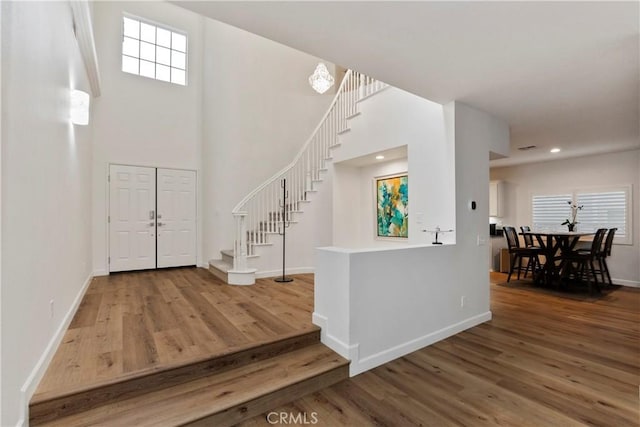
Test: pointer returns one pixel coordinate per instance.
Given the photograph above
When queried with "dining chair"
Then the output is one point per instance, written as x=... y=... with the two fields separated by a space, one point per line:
x=517 y=253
x=605 y=253
x=585 y=261
x=528 y=238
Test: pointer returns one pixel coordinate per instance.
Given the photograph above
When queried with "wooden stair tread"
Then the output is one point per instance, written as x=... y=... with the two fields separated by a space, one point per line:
x=200 y=399
x=140 y=383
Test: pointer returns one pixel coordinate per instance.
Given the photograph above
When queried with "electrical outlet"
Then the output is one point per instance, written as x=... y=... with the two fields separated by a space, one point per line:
x=463 y=301
x=481 y=240
x=51 y=306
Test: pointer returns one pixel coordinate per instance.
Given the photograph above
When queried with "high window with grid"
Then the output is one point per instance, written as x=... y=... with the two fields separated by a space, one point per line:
x=152 y=51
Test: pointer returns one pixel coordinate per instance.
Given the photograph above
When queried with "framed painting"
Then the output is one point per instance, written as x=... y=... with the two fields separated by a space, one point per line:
x=392 y=201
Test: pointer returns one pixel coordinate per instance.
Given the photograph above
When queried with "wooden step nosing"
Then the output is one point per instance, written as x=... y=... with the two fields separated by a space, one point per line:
x=341 y=372
x=161 y=378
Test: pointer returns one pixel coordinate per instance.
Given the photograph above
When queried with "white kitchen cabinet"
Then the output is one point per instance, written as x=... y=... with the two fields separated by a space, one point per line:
x=496 y=198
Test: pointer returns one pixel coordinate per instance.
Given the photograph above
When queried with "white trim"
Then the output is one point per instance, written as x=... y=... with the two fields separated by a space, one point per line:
x=241 y=277
x=98 y=273
x=275 y=273
x=83 y=26
x=342 y=348
x=361 y=365
x=29 y=386
x=623 y=282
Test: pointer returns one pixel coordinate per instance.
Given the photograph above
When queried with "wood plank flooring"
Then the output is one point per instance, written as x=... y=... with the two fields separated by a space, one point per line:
x=543 y=360
x=131 y=323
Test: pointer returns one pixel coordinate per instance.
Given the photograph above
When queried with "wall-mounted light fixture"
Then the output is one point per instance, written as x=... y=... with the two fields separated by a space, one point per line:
x=79 y=107
x=555 y=150
x=321 y=80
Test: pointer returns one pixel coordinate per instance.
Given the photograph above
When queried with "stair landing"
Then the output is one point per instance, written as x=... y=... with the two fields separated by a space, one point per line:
x=143 y=340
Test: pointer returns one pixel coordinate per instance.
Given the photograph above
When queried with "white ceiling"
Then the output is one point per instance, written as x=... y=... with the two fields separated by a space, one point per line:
x=562 y=74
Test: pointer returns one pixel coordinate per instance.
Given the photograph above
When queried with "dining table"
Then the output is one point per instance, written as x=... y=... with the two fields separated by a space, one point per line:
x=552 y=245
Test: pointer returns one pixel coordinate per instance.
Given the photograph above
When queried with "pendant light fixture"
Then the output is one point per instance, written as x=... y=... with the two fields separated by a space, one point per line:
x=321 y=80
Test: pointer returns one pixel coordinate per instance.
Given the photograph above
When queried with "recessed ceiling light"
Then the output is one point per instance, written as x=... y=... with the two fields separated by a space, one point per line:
x=555 y=150
x=379 y=157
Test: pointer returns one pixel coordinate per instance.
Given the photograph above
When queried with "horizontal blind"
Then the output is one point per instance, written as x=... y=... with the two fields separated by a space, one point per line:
x=549 y=212
x=603 y=210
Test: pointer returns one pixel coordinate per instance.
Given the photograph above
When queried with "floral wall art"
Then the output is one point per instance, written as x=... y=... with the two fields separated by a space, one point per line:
x=392 y=201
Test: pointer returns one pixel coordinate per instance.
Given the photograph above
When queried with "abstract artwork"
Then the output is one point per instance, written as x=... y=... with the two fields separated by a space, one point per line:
x=392 y=200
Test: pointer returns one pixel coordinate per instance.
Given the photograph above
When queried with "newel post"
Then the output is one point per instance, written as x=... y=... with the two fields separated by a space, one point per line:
x=240 y=245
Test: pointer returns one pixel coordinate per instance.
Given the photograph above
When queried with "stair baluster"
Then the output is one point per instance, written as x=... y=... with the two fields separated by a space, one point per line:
x=254 y=214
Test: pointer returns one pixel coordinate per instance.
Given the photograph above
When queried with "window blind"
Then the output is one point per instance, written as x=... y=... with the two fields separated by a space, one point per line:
x=606 y=209
x=550 y=211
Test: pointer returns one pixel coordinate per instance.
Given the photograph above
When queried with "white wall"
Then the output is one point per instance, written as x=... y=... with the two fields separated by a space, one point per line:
x=395 y=118
x=142 y=121
x=582 y=172
x=258 y=110
x=46 y=187
x=377 y=304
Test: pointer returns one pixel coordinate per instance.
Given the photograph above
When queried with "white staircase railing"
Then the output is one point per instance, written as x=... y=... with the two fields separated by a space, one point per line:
x=257 y=215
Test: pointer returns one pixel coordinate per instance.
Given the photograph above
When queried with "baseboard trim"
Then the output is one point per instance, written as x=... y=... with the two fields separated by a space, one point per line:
x=344 y=350
x=38 y=371
x=359 y=366
x=276 y=273
x=99 y=273
x=623 y=282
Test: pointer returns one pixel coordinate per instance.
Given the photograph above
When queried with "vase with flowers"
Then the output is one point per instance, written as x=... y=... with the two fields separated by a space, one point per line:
x=571 y=223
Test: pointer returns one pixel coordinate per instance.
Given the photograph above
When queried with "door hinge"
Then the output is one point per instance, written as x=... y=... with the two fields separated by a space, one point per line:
x=109 y=260
x=109 y=219
x=108 y=178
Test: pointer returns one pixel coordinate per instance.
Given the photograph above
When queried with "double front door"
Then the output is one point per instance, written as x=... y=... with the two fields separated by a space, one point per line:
x=152 y=218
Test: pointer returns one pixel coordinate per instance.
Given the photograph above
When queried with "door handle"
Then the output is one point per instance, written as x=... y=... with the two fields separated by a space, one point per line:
x=160 y=224
x=151 y=224
x=152 y=214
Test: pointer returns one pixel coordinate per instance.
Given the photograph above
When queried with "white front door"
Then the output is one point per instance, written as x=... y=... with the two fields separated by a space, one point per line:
x=176 y=217
x=132 y=228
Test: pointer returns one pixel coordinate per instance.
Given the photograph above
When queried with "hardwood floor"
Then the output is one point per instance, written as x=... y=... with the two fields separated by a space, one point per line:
x=133 y=323
x=543 y=360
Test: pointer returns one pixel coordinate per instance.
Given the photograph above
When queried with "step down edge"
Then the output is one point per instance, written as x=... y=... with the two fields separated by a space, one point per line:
x=61 y=404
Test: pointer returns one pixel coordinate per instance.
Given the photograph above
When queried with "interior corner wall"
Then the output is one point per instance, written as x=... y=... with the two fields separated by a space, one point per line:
x=601 y=170
x=444 y=289
x=141 y=121
x=46 y=191
x=474 y=133
x=258 y=111
x=391 y=119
